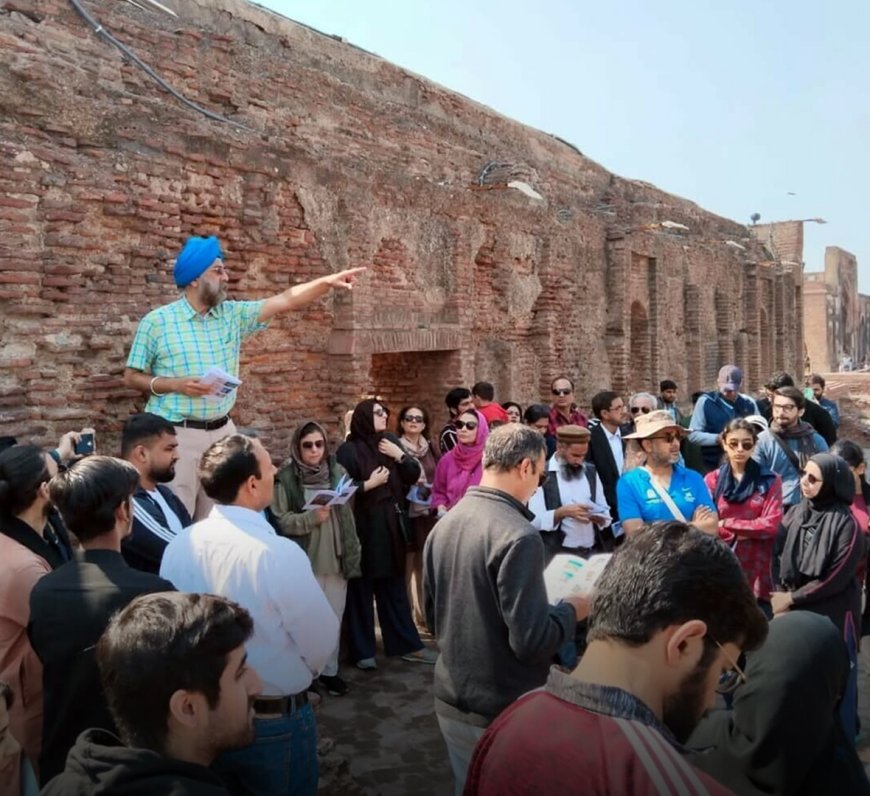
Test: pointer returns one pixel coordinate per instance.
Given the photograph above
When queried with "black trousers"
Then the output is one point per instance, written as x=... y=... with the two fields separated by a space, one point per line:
x=394 y=614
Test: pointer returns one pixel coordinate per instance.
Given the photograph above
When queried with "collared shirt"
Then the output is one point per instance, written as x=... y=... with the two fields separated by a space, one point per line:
x=637 y=500
x=176 y=341
x=574 y=490
x=575 y=418
x=235 y=553
x=616 y=446
x=532 y=747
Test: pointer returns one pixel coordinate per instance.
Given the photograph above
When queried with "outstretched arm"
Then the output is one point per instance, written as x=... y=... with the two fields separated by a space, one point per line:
x=299 y=295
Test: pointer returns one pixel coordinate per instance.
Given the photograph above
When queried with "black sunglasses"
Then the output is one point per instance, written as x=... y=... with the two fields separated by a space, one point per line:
x=562 y=391
x=469 y=424
x=645 y=409
x=412 y=419
x=308 y=445
x=734 y=444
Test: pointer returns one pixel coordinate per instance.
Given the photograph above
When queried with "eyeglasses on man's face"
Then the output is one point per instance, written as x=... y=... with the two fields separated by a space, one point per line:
x=469 y=424
x=562 y=390
x=644 y=409
x=729 y=680
x=669 y=438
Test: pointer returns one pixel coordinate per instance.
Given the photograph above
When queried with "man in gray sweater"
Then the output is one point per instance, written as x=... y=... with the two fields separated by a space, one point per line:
x=485 y=598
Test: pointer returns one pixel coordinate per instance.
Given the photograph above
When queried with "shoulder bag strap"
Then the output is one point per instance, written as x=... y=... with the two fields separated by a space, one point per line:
x=789 y=453
x=666 y=498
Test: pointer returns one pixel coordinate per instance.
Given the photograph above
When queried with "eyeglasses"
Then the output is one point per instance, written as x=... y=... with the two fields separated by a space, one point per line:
x=309 y=444
x=380 y=412
x=562 y=390
x=469 y=424
x=220 y=270
x=645 y=409
x=811 y=479
x=735 y=444
x=735 y=676
x=785 y=407
x=669 y=438
x=412 y=419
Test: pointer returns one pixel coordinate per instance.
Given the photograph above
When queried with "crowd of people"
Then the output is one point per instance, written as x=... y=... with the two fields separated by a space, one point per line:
x=169 y=615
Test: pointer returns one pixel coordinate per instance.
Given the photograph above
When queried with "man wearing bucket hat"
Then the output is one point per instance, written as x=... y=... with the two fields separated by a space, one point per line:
x=663 y=489
x=176 y=344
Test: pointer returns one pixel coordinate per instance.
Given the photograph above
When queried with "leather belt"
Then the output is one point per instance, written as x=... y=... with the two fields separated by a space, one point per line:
x=278 y=705
x=204 y=425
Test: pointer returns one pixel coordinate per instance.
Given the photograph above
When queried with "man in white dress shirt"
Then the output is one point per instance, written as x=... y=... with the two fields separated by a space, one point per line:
x=235 y=553
x=570 y=508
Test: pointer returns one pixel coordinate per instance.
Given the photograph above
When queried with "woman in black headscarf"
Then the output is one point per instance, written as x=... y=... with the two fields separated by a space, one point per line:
x=816 y=558
x=783 y=735
x=384 y=473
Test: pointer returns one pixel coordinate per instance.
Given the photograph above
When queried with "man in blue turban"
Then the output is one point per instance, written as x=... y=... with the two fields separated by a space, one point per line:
x=201 y=333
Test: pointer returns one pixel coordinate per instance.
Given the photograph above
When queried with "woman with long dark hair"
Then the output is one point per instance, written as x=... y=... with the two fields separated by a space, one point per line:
x=816 y=559
x=748 y=498
x=383 y=472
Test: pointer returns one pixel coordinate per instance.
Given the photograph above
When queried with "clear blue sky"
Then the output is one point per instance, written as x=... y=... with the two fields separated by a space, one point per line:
x=731 y=104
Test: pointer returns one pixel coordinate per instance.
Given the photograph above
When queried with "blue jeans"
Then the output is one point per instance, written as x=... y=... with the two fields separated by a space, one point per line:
x=282 y=761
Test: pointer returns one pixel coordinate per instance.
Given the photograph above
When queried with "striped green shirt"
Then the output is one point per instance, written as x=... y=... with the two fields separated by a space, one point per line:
x=176 y=341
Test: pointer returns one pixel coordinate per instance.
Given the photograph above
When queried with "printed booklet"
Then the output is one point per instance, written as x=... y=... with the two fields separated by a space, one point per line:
x=221 y=382
x=332 y=497
x=567 y=574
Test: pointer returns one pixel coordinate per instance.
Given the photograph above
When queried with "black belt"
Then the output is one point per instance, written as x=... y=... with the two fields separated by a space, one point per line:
x=583 y=552
x=204 y=425
x=280 y=704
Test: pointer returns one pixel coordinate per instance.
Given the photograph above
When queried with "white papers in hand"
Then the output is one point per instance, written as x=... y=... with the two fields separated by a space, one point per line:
x=567 y=574
x=221 y=382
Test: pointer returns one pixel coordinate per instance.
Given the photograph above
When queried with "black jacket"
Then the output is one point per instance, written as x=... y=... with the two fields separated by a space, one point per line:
x=817 y=416
x=69 y=610
x=143 y=548
x=601 y=456
x=100 y=765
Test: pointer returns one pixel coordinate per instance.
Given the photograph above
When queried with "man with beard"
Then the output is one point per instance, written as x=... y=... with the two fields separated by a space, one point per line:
x=71 y=607
x=149 y=443
x=789 y=443
x=176 y=344
x=178 y=684
x=669 y=619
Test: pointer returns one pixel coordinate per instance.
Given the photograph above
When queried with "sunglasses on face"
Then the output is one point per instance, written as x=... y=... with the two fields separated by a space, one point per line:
x=669 y=438
x=469 y=424
x=736 y=444
x=645 y=409
x=811 y=479
x=562 y=391
x=380 y=412
x=413 y=419
x=310 y=445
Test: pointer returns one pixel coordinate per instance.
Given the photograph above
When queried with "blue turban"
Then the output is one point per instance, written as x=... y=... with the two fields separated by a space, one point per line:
x=196 y=258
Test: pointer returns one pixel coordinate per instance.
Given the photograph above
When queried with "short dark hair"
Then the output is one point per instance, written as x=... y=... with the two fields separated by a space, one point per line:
x=7 y=442
x=508 y=404
x=667 y=384
x=509 y=444
x=850 y=451
x=777 y=380
x=483 y=389
x=601 y=401
x=87 y=494
x=669 y=573
x=226 y=465
x=159 y=644
x=535 y=412
x=7 y=694
x=22 y=471
x=426 y=423
x=142 y=428
x=817 y=378
x=793 y=394
x=456 y=396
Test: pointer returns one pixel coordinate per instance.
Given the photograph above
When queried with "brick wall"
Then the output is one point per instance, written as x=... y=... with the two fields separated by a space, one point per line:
x=338 y=159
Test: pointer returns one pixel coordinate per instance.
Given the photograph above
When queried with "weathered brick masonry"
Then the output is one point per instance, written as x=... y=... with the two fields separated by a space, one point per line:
x=344 y=160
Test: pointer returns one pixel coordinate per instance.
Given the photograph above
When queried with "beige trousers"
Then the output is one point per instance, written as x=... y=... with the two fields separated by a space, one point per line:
x=192 y=443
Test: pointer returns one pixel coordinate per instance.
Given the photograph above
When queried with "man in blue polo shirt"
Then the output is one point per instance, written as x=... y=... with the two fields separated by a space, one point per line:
x=177 y=343
x=662 y=489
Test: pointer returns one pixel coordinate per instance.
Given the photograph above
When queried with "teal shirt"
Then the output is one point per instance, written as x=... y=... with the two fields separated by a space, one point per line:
x=177 y=342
